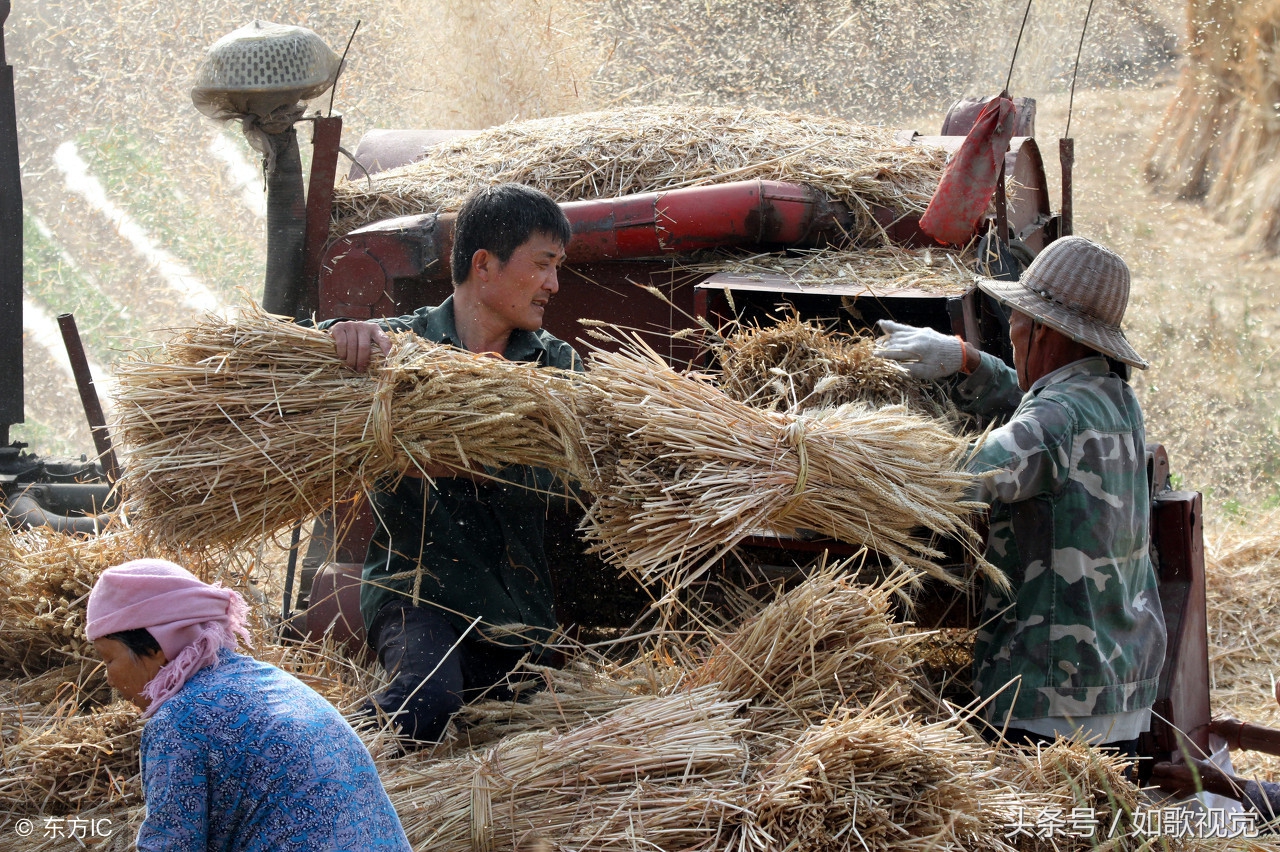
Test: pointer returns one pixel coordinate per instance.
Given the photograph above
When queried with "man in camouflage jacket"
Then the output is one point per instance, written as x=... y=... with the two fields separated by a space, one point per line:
x=1078 y=641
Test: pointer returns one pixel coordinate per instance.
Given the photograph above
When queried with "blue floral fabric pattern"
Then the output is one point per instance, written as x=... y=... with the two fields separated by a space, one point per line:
x=247 y=758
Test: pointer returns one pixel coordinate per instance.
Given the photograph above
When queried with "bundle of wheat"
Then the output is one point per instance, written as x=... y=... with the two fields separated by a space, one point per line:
x=794 y=658
x=815 y=648
x=238 y=428
x=651 y=148
x=75 y=761
x=658 y=772
x=793 y=365
x=873 y=778
x=682 y=473
x=585 y=688
x=787 y=729
x=1219 y=139
x=83 y=680
x=876 y=270
x=42 y=617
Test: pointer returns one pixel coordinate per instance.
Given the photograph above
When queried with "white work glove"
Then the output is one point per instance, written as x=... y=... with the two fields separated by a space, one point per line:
x=924 y=353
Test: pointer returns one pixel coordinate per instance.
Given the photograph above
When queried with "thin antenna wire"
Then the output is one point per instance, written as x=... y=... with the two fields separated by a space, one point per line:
x=1016 y=45
x=342 y=63
x=1074 y=71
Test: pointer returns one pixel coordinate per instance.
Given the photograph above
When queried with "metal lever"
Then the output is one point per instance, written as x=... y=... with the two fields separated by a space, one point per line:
x=89 y=396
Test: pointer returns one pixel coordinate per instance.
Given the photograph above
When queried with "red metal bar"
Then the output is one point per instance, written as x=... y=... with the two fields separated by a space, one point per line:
x=325 y=140
x=1067 y=157
x=756 y=212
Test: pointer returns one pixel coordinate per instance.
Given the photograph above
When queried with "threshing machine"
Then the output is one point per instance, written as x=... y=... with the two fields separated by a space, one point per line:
x=621 y=248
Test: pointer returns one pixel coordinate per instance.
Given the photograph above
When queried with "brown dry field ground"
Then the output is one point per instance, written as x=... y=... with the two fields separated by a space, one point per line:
x=1203 y=309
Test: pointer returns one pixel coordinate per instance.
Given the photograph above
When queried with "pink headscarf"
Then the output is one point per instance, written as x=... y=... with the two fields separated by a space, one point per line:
x=189 y=619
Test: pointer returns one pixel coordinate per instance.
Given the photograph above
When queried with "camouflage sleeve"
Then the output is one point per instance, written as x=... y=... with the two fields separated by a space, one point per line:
x=1027 y=457
x=989 y=391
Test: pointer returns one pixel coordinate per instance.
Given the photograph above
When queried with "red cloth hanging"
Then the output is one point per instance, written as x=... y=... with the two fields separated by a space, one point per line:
x=969 y=180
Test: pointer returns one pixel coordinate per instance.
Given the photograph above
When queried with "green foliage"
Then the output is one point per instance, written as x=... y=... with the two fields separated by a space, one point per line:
x=52 y=279
x=44 y=439
x=140 y=180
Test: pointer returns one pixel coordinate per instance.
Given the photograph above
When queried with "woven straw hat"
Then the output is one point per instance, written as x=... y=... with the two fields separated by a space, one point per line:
x=1077 y=287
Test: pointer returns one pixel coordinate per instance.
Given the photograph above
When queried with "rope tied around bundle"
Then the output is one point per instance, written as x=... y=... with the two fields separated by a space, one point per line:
x=381 y=424
x=794 y=436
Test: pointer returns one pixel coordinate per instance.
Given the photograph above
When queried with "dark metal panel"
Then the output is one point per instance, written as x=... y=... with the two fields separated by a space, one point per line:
x=11 y=387
x=857 y=306
x=286 y=227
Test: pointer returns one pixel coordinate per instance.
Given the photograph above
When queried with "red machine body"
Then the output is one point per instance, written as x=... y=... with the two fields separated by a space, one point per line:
x=622 y=246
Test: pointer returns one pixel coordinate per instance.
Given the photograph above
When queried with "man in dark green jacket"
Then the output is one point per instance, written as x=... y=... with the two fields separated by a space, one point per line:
x=456 y=584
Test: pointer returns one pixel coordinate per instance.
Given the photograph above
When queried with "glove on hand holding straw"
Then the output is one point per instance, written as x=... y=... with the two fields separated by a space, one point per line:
x=923 y=352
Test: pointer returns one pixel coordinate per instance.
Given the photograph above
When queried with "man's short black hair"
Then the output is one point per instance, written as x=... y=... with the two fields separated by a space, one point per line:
x=140 y=642
x=500 y=219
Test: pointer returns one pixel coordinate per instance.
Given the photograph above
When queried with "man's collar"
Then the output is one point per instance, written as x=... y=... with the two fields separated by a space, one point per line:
x=523 y=346
x=442 y=325
x=1094 y=365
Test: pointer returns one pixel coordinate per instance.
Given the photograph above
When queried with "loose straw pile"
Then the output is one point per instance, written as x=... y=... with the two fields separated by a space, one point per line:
x=48 y=576
x=78 y=761
x=1241 y=564
x=878 y=270
x=682 y=473
x=651 y=148
x=795 y=366
x=831 y=752
x=680 y=748
x=239 y=428
x=42 y=616
x=1070 y=774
